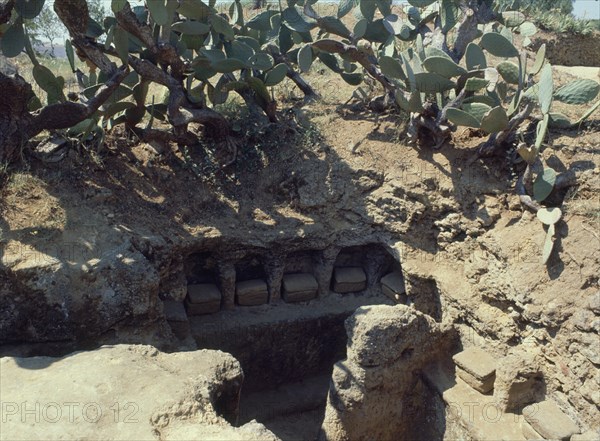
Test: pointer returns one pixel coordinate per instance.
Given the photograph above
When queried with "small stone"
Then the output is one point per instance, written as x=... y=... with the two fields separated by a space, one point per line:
x=251 y=292
x=476 y=362
x=392 y=286
x=483 y=386
x=351 y=279
x=203 y=298
x=549 y=421
x=299 y=287
x=593 y=303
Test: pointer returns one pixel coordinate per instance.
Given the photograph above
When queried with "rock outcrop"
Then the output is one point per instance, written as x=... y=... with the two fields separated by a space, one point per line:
x=124 y=392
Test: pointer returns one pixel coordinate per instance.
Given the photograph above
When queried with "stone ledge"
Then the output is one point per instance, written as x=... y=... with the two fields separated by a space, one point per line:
x=252 y=292
x=204 y=298
x=299 y=287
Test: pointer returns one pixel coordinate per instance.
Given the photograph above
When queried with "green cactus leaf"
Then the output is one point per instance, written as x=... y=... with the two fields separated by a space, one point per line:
x=435 y=52
x=140 y=92
x=292 y=19
x=344 y=7
x=49 y=83
x=237 y=15
x=477 y=110
x=421 y=3
x=475 y=58
x=449 y=13
x=428 y=82
x=194 y=9
x=158 y=12
x=121 y=42
x=401 y=100
x=117 y=107
x=415 y=103
x=190 y=27
x=376 y=32
x=512 y=19
x=240 y=50
x=222 y=26
x=549 y=216
x=509 y=72
x=527 y=29
x=420 y=48
x=483 y=99
x=474 y=84
x=410 y=74
x=546 y=88
x=34 y=104
x=13 y=40
x=395 y=26
x=29 y=9
x=391 y=68
x=305 y=58
x=587 y=114
x=276 y=75
x=252 y=42
x=330 y=61
x=543 y=184
x=385 y=7
x=261 y=61
x=117 y=5
x=443 y=66
x=462 y=118
x=578 y=92
x=354 y=79
x=228 y=65
x=540 y=131
x=334 y=26
x=540 y=59
x=360 y=28
x=367 y=8
x=498 y=45
x=548 y=244
x=495 y=120
x=259 y=88
x=262 y=21
x=506 y=33
x=70 y=54
x=559 y=121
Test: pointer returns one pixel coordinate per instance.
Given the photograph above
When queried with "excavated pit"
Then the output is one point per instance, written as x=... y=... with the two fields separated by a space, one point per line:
x=280 y=316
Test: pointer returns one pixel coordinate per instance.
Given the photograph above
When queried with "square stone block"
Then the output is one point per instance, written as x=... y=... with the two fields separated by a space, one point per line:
x=477 y=363
x=484 y=386
x=529 y=432
x=549 y=421
x=251 y=292
x=392 y=286
x=350 y=279
x=299 y=287
x=203 y=298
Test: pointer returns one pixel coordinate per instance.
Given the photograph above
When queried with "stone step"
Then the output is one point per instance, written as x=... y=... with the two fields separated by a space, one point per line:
x=478 y=414
x=477 y=368
x=349 y=279
x=545 y=420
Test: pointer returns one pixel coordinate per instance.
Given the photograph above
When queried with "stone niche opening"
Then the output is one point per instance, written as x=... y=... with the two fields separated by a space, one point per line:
x=201 y=268
x=288 y=344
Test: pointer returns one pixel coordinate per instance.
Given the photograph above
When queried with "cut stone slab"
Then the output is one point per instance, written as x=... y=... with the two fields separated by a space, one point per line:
x=349 y=279
x=549 y=421
x=529 y=432
x=251 y=292
x=392 y=286
x=203 y=298
x=477 y=368
x=177 y=318
x=299 y=287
